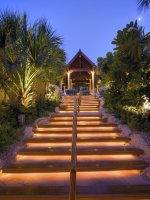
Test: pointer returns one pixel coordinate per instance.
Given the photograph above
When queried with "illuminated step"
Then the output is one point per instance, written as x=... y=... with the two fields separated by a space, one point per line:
x=49 y=140
x=119 y=185
x=104 y=139
x=99 y=128
x=86 y=139
x=53 y=126
x=81 y=109
x=50 y=167
x=83 y=106
x=59 y=122
x=46 y=151
x=41 y=167
x=53 y=192
x=101 y=125
x=105 y=125
x=51 y=132
x=82 y=151
x=80 y=158
x=60 y=131
x=36 y=159
x=112 y=150
x=111 y=165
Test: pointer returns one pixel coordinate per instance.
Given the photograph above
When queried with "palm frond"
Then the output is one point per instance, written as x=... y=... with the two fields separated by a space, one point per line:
x=143 y=4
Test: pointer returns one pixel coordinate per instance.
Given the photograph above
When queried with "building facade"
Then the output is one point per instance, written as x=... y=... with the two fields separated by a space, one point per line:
x=81 y=72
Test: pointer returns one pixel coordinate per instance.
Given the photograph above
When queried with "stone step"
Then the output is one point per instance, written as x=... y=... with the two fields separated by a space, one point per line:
x=79 y=131
x=68 y=125
x=50 y=167
x=82 y=151
x=25 y=192
x=118 y=192
x=79 y=118
x=86 y=139
x=80 y=109
x=43 y=167
x=79 y=114
x=111 y=165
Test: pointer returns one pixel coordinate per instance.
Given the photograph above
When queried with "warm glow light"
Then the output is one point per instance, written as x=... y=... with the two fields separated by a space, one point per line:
x=85 y=106
x=62 y=123
x=89 y=122
x=88 y=117
x=41 y=145
x=49 y=179
x=97 y=135
x=62 y=118
x=100 y=128
x=31 y=158
x=84 y=176
x=97 y=144
x=105 y=157
x=86 y=111
x=55 y=129
x=51 y=135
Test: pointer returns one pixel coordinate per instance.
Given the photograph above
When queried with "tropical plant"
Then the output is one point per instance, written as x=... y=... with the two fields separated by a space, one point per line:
x=127 y=71
x=22 y=84
x=143 y=4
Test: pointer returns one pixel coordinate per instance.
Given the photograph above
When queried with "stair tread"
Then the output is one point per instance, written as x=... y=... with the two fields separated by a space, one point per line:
x=111 y=165
x=43 y=167
x=68 y=125
x=79 y=131
x=81 y=166
x=82 y=151
x=66 y=139
x=34 y=190
x=118 y=192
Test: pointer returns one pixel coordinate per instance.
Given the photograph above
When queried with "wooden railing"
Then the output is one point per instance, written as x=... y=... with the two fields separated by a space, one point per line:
x=79 y=100
x=72 y=195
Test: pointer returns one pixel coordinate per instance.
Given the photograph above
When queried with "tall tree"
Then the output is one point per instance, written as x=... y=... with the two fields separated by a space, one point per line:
x=37 y=45
x=143 y=4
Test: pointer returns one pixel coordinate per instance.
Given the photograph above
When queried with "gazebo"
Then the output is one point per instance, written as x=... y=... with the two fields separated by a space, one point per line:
x=81 y=71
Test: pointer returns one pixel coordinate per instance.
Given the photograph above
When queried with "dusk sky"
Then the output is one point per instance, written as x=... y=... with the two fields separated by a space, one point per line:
x=89 y=25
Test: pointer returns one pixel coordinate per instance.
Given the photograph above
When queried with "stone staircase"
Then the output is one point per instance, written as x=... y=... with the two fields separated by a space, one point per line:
x=107 y=164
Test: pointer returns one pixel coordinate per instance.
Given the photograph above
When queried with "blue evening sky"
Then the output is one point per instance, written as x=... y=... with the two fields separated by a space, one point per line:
x=89 y=25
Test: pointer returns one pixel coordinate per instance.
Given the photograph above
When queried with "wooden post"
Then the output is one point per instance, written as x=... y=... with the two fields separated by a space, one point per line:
x=68 y=80
x=93 y=83
x=72 y=195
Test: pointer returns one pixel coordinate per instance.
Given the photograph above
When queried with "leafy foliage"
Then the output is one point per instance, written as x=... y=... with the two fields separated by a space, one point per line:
x=126 y=75
x=31 y=58
x=143 y=4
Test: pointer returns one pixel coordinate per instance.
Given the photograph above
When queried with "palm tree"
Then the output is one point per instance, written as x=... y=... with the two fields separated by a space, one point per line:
x=22 y=84
x=40 y=40
x=143 y=4
x=37 y=45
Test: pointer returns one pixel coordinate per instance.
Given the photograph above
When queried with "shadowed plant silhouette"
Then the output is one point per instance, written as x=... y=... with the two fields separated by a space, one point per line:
x=143 y=4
